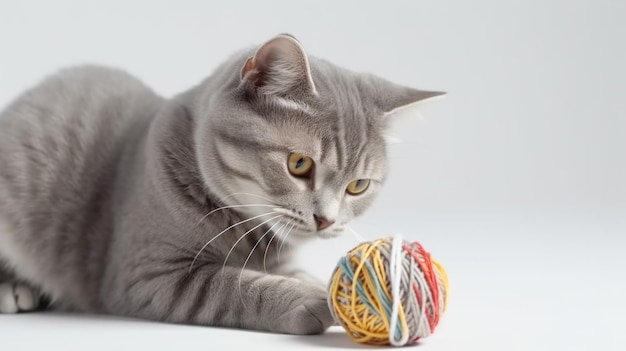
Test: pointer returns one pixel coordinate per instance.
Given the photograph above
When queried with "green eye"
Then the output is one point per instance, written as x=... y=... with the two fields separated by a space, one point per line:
x=299 y=165
x=358 y=186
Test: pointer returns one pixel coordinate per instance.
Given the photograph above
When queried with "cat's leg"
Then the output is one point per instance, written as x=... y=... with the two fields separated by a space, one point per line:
x=226 y=296
x=292 y=271
x=289 y=270
x=15 y=296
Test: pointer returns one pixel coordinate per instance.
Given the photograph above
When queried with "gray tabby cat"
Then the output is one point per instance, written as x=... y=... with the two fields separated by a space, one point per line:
x=115 y=200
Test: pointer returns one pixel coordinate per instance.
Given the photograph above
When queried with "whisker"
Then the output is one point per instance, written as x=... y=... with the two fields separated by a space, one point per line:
x=224 y=231
x=284 y=240
x=243 y=236
x=232 y=206
x=358 y=236
x=249 y=194
x=270 y=242
x=250 y=255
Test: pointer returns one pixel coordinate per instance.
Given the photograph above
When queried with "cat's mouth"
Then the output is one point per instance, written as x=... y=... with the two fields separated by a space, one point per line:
x=296 y=227
x=302 y=232
x=299 y=229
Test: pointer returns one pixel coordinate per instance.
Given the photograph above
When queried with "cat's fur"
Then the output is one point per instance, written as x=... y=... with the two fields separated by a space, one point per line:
x=105 y=188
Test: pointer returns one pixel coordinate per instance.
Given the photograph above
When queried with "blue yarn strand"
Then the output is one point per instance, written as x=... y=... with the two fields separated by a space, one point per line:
x=387 y=305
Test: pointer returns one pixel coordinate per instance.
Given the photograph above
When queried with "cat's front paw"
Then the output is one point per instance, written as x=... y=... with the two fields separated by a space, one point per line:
x=309 y=315
x=16 y=298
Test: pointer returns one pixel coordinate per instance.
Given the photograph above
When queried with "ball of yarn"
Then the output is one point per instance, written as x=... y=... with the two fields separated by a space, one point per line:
x=388 y=292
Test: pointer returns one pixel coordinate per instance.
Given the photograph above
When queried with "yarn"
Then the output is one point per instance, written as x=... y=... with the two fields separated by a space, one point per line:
x=388 y=292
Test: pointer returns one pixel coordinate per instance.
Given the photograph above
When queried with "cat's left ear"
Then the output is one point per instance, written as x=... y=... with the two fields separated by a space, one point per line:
x=392 y=98
x=279 y=67
x=395 y=98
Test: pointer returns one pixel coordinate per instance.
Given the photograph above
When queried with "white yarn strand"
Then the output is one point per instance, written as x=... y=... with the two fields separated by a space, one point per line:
x=396 y=272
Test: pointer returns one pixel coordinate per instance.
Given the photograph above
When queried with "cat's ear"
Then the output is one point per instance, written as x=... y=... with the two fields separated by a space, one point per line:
x=279 y=67
x=396 y=98
x=392 y=98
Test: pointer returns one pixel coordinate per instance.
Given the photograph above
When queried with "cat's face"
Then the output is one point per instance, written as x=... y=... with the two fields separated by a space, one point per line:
x=297 y=141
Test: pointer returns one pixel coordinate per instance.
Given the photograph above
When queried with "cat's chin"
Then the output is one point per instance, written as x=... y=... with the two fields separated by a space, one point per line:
x=327 y=235
x=298 y=237
x=305 y=237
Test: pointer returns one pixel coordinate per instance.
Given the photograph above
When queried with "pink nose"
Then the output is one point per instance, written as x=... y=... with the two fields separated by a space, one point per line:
x=322 y=223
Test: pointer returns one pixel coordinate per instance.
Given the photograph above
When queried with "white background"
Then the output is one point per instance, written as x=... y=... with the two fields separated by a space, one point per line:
x=514 y=181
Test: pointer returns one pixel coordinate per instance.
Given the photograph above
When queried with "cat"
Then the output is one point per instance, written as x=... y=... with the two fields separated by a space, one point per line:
x=115 y=200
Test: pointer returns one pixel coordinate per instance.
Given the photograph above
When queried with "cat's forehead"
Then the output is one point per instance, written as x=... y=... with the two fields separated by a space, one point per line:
x=337 y=126
x=337 y=136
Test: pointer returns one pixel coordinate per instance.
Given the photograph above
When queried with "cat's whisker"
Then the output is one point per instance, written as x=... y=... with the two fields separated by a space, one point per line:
x=243 y=236
x=284 y=240
x=224 y=231
x=358 y=236
x=249 y=194
x=233 y=206
x=250 y=255
x=270 y=243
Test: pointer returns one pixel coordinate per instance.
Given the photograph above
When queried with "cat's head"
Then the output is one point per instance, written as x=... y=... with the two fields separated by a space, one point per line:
x=296 y=140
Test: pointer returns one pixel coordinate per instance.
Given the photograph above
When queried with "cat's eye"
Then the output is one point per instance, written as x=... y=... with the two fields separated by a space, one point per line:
x=300 y=165
x=358 y=186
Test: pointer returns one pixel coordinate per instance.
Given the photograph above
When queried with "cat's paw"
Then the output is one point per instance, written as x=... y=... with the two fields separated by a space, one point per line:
x=16 y=298
x=311 y=315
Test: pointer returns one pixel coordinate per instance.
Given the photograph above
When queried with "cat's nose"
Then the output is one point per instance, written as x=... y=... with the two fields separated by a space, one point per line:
x=322 y=223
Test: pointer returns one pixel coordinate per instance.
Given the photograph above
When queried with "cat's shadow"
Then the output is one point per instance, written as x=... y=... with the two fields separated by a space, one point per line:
x=333 y=338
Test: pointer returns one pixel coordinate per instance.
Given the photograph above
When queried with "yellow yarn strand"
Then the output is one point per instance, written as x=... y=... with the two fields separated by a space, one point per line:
x=444 y=280
x=380 y=329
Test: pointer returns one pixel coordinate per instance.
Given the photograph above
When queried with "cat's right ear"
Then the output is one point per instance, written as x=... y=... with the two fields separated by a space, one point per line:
x=279 y=67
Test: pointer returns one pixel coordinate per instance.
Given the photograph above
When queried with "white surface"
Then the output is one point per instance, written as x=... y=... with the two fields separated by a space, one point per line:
x=517 y=283
x=515 y=181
